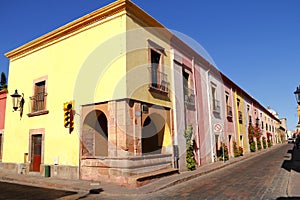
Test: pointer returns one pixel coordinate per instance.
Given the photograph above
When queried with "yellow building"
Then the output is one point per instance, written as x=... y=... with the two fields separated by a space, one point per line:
x=241 y=121
x=98 y=101
x=119 y=90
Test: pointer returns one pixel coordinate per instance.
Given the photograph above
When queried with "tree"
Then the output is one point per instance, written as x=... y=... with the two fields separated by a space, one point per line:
x=3 y=85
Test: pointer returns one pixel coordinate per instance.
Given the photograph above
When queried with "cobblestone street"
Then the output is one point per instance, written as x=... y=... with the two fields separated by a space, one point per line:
x=262 y=177
x=268 y=174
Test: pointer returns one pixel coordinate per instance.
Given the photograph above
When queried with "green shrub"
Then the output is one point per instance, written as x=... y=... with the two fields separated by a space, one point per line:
x=235 y=149
x=264 y=142
x=252 y=147
x=223 y=152
x=190 y=161
x=270 y=143
x=258 y=145
x=190 y=157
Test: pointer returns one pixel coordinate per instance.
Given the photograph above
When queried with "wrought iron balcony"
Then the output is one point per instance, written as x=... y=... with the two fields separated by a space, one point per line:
x=158 y=81
x=38 y=102
x=189 y=96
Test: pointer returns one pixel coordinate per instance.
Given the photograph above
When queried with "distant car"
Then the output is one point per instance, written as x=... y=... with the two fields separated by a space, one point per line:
x=291 y=140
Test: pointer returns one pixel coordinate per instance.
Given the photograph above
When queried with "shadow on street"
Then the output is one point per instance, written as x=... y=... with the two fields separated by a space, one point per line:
x=294 y=162
x=16 y=191
x=91 y=192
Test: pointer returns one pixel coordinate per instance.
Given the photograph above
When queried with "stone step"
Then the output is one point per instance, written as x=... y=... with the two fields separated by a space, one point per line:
x=145 y=178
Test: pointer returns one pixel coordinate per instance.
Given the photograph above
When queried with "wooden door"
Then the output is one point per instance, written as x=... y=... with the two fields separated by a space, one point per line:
x=36 y=153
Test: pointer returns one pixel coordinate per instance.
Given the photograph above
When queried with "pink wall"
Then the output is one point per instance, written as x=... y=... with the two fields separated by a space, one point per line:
x=229 y=127
x=201 y=105
x=3 y=94
x=229 y=122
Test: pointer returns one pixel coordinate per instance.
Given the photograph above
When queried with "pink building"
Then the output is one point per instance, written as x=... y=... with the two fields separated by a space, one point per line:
x=3 y=94
x=230 y=130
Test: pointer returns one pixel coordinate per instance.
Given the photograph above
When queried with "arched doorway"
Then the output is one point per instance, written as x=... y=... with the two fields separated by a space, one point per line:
x=153 y=134
x=95 y=134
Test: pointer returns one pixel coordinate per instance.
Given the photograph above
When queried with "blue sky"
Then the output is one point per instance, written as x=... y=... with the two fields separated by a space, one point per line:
x=256 y=43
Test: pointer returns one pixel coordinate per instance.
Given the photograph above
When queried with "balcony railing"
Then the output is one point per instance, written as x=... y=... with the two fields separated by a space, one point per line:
x=189 y=96
x=38 y=102
x=158 y=81
x=216 y=106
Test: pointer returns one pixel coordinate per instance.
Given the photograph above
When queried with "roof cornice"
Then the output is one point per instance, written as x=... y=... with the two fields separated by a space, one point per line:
x=83 y=23
x=69 y=29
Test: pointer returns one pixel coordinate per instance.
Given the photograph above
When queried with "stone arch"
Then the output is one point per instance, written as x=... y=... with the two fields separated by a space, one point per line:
x=95 y=134
x=153 y=132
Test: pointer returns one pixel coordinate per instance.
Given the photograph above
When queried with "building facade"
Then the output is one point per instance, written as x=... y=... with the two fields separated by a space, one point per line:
x=3 y=96
x=133 y=92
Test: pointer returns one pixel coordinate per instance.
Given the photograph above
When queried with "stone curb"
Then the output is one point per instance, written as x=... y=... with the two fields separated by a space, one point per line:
x=87 y=186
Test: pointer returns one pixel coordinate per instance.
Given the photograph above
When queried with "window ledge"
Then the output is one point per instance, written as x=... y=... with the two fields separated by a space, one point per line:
x=157 y=90
x=37 y=113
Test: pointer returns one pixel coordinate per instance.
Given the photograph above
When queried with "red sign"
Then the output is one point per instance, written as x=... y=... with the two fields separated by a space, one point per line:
x=218 y=127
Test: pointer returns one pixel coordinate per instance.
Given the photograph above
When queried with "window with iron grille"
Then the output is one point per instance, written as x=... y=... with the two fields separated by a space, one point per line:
x=155 y=60
x=215 y=102
x=158 y=79
x=38 y=100
x=240 y=114
x=240 y=117
x=228 y=107
x=188 y=92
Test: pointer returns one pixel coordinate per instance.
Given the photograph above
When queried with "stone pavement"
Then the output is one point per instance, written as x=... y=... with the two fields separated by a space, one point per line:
x=83 y=186
x=294 y=182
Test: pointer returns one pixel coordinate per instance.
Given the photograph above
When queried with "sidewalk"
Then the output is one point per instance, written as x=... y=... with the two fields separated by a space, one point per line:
x=96 y=187
x=294 y=183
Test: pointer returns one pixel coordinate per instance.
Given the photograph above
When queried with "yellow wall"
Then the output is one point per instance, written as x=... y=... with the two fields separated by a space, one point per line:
x=78 y=68
x=241 y=128
x=137 y=63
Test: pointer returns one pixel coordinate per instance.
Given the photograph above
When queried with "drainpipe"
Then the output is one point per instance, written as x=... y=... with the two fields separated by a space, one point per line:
x=234 y=116
x=197 y=111
x=175 y=128
x=209 y=116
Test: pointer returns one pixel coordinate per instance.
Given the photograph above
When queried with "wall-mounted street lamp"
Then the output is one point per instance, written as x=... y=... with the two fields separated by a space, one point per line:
x=297 y=95
x=18 y=102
